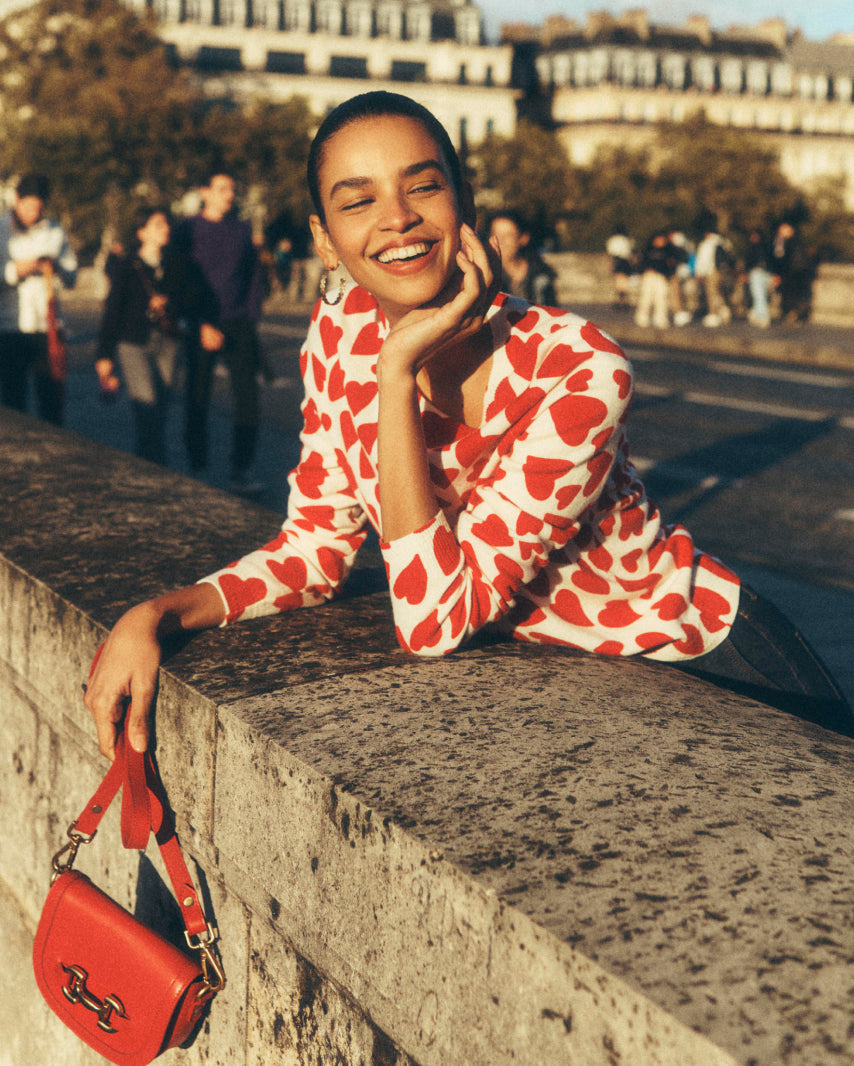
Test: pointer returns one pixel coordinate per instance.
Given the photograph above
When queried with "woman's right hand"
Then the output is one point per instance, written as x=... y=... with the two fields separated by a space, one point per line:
x=123 y=679
x=124 y=675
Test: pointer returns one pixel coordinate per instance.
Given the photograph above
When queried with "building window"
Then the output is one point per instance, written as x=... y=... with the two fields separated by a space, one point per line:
x=213 y=58
x=348 y=67
x=488 y=79
x=463 y=76
x=406 y=70
x=330 y=16
x=285 y=63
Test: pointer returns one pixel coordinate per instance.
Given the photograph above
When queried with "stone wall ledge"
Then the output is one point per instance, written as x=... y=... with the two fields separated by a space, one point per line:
x=511 y=855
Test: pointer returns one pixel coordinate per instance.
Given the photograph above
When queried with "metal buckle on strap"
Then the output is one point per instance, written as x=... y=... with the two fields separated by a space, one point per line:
x=212 y=971
x=76 y=838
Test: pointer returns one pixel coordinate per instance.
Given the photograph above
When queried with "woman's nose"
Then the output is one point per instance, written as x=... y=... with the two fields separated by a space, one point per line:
x=398 y=213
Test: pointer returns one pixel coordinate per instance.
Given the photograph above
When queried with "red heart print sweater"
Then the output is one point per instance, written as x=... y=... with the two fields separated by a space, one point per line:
x=543 y=529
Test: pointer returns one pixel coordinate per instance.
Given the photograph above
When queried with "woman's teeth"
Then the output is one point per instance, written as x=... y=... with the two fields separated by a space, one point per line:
x=395 y=255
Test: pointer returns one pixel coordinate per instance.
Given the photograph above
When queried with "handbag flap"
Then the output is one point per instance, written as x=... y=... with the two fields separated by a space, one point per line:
x=118 y=985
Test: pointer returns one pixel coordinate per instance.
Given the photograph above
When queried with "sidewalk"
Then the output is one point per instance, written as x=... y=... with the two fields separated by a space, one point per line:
x=810 y=344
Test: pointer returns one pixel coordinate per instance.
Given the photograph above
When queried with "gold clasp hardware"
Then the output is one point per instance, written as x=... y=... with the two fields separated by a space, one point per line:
x=212 y=971
x=74 y=842
x=75 y=991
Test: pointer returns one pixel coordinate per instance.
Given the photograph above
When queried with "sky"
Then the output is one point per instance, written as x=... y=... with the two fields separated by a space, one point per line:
x=817 y=20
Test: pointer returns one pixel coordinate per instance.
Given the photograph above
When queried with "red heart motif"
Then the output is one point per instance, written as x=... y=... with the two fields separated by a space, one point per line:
x=411 y=583
x=319 y=371
x=493 y=531
x=670 y=607
x=623 y=381
x=579 y=382
x=597 y=468
x=348 y=429
x=587 y=581
x=597 y=339
x=618 y=615
x=446 y=550
x=240 y=594
x=310 y=475
x=559 y=361
x=712 y=607
x=291 y=572
x=335 y=391
x=368 y=435
x=523 y=355
x=331 y=563
x=568 y=606
x=330 y=335
x=504 y=396
x=541 y=476
x=528 y=523
x=360 y=395
x=359 y=300
x=574 y=417
x=426 y=634
x=692 y=645
x=368 y=341
x=322 y=517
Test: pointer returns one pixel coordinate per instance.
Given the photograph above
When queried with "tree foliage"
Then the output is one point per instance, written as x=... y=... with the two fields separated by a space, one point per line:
x=687 y=169
x=528 y=173
x=91 y=99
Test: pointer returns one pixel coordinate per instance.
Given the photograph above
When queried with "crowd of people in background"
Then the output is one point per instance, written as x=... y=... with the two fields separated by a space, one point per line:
x=678 y=280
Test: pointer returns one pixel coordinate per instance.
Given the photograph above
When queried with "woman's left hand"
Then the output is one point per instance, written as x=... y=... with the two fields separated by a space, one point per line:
x=457 y=312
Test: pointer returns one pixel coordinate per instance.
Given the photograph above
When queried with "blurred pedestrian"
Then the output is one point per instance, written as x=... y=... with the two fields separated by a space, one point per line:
x=658 y=266
x=714 y=261
x=222 y=246
x=795 y=270
x=524 y=272
x=757 y=267
x=621 y=248
x=33 y=251
x=151 y=292
x=682 y=254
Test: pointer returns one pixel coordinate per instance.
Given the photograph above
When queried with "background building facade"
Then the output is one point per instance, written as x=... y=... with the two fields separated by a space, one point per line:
x=613 y=79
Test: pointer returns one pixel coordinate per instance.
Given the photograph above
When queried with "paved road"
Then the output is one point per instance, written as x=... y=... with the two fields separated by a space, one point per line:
x=755 y=456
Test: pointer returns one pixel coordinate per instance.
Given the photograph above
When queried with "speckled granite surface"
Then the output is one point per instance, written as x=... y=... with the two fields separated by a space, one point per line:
x=695 y=843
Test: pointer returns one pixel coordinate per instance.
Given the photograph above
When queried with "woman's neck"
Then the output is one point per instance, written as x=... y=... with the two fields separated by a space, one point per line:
x=455 y=380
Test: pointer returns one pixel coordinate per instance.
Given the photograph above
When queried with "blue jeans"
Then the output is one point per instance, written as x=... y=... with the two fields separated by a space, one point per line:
x=770 y=660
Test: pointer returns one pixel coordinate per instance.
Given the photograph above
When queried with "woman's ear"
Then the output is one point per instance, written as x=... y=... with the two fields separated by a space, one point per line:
x=323 y=243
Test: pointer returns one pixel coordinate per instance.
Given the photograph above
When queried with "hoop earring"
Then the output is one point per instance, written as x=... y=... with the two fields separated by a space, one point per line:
x=324 y=282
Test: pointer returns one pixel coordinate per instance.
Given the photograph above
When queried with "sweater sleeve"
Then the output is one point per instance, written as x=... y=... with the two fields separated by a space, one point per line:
x=551 y=468
x=310 y=559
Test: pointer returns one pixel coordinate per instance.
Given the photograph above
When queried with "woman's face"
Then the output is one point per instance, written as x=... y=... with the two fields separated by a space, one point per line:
x=392 y=214
x=155 y=232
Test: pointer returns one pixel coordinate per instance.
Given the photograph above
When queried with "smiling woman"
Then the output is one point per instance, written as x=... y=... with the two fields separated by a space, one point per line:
x=482 y=436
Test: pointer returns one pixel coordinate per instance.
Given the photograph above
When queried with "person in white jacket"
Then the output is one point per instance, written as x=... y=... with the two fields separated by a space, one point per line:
x=33 y=251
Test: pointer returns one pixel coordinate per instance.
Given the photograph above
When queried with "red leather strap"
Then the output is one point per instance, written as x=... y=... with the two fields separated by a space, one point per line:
x=145 y=809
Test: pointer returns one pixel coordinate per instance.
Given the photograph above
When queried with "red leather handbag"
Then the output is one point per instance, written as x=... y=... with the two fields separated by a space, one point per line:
x=118 y=985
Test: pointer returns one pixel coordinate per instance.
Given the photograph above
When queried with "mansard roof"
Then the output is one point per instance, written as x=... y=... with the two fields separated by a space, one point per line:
x=669 y=38
x=824 y=57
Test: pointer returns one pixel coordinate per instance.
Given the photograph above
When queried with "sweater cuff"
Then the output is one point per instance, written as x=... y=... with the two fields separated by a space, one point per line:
x=10 y=274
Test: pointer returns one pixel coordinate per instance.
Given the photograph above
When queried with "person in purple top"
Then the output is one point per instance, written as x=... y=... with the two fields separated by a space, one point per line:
x=222 y=247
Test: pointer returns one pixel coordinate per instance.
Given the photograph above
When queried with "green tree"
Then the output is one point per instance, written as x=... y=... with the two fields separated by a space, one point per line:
x=91 y=99
x=528 y=173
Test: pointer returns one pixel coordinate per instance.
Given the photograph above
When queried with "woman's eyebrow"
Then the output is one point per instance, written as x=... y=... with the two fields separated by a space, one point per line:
x=407 y=172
